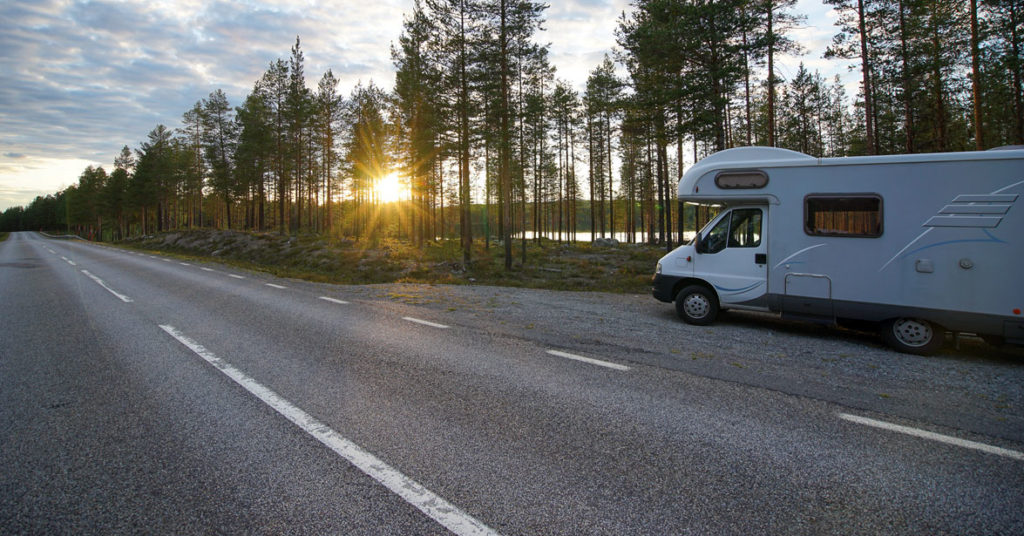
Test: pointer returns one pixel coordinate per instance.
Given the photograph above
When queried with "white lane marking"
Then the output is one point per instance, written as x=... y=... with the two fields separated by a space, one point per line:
x=184 y=264
x=414 y=493
x=998 y=451
x=597 y=362
x=69 y=261
x=424 y=322
x=333 y=300
x=236 y=276
x=273 y=285
x=122 y=297
x=166 y=260
x=205 y=269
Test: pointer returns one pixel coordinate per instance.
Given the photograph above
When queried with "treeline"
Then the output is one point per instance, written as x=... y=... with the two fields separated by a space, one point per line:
x=489 y=140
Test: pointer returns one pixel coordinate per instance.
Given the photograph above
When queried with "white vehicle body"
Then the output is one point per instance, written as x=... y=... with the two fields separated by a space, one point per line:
x=917 y=243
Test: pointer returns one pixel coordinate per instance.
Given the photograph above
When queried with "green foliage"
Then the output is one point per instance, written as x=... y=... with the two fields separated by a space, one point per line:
x=490 y=143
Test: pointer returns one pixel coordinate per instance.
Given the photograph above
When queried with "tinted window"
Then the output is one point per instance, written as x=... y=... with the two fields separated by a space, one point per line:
x=717 y=236
x=839 y=215
x=746 y=228
x=739 y=229
x=736 y=180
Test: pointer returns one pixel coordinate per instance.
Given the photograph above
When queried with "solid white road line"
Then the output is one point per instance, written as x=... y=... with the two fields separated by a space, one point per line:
x=597 y=362
x=333 y=300
x=122 y=297
x=271 y=285
x=424 y=322
x=415 y=494
x=998 y=451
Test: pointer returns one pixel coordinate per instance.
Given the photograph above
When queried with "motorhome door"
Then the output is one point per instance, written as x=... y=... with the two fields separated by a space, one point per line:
x=733 y=256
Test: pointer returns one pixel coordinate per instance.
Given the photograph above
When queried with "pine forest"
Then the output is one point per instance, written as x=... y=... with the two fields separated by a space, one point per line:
x=481 y=141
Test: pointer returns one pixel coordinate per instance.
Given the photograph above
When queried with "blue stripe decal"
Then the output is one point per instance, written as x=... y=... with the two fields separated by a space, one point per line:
x=744 y=289
x=991 y=239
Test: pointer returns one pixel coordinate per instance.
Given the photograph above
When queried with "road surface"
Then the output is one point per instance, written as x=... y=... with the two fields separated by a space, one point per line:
x=145 y=393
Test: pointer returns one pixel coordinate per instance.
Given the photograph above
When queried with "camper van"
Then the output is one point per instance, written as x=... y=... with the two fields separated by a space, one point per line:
x=915 y=245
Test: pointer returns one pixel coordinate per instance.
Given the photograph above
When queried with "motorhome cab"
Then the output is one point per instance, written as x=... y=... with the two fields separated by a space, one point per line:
x=915 y=244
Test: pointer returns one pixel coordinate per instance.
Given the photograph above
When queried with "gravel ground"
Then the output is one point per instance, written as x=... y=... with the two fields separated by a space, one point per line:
x=969 y=386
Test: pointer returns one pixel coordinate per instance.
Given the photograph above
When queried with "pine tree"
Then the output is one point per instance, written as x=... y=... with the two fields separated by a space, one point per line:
x=220 y=138
x=854 y=41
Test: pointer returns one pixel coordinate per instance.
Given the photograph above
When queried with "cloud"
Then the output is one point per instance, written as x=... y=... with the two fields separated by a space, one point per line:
x=79 y=79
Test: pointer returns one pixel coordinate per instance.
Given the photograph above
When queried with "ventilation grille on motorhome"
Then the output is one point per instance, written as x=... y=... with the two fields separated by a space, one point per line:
x=984 y=211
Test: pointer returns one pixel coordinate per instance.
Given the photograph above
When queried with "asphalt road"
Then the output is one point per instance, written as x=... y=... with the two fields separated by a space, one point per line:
x=148 y=394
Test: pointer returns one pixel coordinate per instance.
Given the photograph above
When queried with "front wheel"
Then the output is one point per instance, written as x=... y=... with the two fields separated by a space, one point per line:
x=697 y=305
x=913 y=335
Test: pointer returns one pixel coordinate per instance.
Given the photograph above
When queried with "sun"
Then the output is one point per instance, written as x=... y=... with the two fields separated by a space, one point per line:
x=389 y=188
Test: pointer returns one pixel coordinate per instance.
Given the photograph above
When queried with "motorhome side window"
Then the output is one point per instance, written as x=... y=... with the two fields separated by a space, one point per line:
x=740 y=229
x=858 y=216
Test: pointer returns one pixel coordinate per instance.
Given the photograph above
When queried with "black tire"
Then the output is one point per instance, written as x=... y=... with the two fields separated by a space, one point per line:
x=913 y=335
x=697 y=305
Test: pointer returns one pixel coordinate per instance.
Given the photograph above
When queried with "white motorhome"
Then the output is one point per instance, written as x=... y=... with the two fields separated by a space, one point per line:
x=914 y=244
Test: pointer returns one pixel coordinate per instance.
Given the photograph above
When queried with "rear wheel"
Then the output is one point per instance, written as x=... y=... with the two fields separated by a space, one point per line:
x=697 y=305
x=913 y=335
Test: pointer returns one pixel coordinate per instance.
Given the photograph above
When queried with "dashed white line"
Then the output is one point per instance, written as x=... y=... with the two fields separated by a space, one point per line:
x=271 y=285
x=184 y=264
x=69 y=261
x=413 y=492
x=424 y=322
x=167 y=260
x=122 y=297
x=333 y=300
x=950 y=440
x=205 y=269
x=597 y=362
x=236 y=276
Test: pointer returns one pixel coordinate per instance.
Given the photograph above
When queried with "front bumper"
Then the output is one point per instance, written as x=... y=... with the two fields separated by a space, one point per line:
x=662 y=287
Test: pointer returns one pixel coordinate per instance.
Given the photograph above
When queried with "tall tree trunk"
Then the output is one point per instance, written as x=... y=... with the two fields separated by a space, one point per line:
x=611 y=175
x=771 y=73
x=465 y=216
x=869 y=112
x=908 y=113
x=505 y=151
x=979 y=131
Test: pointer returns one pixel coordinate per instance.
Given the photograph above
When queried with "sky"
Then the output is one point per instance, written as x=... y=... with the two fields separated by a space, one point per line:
x=80 y=79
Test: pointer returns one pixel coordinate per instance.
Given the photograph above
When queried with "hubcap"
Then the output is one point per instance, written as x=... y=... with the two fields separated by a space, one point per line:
x=912 y=332
x=696 y=306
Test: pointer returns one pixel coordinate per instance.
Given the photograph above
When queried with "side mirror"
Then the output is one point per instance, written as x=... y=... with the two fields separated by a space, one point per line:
x=698 y=244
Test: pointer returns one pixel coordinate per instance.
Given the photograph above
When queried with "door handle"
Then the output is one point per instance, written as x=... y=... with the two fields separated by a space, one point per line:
x=760 y=258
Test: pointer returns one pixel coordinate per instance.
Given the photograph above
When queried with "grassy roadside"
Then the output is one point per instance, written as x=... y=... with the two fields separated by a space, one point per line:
x=3 y=236
x=625 y=268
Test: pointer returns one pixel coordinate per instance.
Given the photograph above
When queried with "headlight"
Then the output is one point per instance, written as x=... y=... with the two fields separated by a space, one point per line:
x=657 y=269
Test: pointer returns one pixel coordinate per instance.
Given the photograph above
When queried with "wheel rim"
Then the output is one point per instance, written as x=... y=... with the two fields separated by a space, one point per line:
x=696 y=306
x=911 y=332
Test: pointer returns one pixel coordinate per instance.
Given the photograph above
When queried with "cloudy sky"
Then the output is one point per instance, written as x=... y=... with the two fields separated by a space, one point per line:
x=79 y=79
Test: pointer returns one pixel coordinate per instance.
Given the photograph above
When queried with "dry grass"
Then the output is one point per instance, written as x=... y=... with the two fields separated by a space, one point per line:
x=626 y=268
